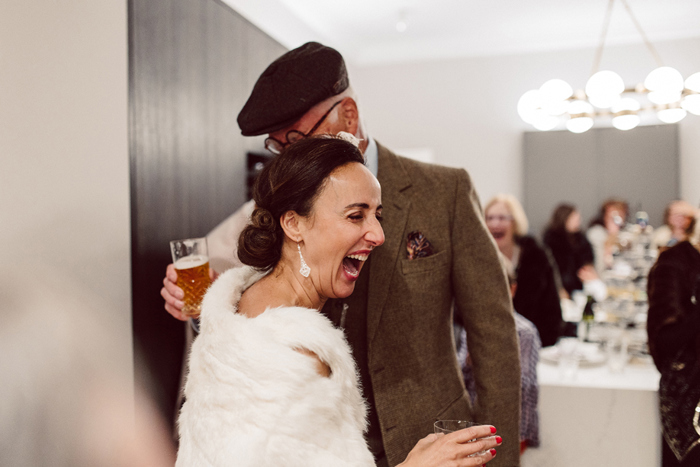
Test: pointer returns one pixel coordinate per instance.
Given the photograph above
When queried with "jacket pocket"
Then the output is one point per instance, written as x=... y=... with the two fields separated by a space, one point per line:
x=429 y=263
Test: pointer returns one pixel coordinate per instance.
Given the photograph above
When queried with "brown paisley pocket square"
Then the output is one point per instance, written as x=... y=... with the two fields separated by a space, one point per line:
x=417 y=246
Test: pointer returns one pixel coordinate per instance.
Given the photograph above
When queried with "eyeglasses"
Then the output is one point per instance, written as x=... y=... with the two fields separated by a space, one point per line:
x=499 y=218
x=276 y=147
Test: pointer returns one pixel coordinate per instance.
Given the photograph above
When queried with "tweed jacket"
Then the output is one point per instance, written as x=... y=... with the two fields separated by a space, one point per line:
x=411 y=354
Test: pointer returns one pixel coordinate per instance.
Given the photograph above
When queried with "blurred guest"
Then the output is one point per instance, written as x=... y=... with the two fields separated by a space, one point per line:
x=673 y=327
x=67 y=391
x=530 y=345
x=604 y=229
x=679 y=222
x=537 y=297
x=570 y=248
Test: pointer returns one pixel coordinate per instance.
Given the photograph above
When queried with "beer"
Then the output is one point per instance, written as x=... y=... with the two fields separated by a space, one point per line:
x=193 y=279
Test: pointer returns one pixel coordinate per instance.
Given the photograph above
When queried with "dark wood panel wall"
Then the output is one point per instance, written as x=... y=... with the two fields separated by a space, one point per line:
x=192 y=64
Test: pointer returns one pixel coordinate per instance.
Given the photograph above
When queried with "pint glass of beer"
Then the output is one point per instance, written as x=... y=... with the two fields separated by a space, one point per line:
x=191 y=260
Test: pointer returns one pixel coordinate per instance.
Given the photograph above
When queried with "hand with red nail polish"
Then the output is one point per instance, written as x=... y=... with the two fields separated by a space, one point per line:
x=470 y=446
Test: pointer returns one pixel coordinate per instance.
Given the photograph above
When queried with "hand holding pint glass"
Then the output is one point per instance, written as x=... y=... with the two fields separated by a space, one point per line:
x=191 y=261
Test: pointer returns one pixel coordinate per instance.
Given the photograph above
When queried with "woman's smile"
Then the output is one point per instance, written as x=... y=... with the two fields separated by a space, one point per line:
x=343 y=229
x=352 y=264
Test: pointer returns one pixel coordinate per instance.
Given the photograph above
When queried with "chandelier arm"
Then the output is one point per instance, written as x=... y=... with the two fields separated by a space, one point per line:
x=603 y=35
x=649 y=45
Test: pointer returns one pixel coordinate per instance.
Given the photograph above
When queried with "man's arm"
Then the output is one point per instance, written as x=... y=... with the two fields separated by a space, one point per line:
x=482 y=297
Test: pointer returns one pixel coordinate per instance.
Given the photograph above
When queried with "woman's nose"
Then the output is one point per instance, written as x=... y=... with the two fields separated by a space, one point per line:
x=375 y=233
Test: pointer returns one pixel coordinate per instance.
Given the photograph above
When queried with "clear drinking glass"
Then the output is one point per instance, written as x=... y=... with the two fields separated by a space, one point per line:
x=616 y=345
x=191 y=260
x=450 y=426
x=568 y=357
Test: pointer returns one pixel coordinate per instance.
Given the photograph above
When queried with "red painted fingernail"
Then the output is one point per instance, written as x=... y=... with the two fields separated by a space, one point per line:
x=493 y=452
x=493 y=429
x=499 y=440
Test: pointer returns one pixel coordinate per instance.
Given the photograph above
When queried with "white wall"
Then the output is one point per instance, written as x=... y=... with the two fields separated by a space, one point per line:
x=466 y=109
x=64 y=178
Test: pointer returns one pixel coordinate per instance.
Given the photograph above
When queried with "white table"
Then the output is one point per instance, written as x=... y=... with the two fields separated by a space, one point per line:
x=599 y=418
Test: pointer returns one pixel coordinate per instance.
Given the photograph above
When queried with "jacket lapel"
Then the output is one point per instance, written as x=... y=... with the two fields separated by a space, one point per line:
x=394 y=180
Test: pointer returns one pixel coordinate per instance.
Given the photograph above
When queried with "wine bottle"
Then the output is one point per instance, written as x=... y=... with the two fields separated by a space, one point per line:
x=588 y=317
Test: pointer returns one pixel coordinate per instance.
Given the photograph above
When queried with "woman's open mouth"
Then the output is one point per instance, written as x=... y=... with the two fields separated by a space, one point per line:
x=352 y=264
x=498 y=235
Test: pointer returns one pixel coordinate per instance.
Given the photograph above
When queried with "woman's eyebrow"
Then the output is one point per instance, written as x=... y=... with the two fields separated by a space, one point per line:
x=357 y=205
x=361 y=205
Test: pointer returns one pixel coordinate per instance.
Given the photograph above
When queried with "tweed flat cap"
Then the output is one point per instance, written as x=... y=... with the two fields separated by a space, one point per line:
x=290 y=86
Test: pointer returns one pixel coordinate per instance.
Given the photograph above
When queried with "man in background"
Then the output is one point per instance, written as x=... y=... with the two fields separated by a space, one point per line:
x=437 y=252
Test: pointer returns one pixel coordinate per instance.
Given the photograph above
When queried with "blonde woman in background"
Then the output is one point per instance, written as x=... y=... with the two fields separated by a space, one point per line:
x=537 y=296
x=679 y=223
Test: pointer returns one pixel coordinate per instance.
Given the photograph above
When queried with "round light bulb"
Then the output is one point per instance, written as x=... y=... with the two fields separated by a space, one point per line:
x=665 y=79
x=602 y=101
x=673 y=115
x=626 y=122
x=605 y=83
x=664 y=96
x=693 y=82
x=528 y=105
x=555 y=108
x=545 y=122
x=691 y=103
x=579 y=124
x=554 y=94
x=556 y=89
x=579 y=107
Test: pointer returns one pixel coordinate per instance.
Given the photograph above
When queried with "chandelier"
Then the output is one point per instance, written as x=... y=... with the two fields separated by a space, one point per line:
x=664 y=92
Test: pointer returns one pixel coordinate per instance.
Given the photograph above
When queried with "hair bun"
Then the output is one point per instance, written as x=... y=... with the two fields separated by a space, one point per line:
x=262 y=219
x=259 y=245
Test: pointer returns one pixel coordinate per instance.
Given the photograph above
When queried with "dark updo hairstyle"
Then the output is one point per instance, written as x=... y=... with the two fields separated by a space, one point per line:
x=290 y=182
x=559 y=217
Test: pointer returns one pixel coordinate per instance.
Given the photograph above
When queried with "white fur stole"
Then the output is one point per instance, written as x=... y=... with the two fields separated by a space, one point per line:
x=252 y=400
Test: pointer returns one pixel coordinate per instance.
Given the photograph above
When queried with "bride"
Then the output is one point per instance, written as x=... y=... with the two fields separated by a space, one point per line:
x=272 y=381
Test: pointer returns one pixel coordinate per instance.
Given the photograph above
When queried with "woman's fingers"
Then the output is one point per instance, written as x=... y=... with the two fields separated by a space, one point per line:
x=476 y=445
x=473 y=432
x=480 y=459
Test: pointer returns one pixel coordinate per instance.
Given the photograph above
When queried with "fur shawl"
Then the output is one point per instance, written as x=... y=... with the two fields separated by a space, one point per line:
x=252 y=400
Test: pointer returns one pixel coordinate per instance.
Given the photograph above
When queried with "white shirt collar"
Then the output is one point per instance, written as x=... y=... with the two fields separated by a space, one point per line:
x=372 y=156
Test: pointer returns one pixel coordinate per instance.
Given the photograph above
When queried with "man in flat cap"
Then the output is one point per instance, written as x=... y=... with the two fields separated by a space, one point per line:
x=437 y=253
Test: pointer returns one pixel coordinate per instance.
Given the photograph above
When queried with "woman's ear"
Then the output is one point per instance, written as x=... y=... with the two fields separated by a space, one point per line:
x=349 y=115
x=290 y=222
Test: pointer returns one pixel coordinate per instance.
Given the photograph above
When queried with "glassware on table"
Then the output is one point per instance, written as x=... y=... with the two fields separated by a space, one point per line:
x=568 y=357
x=616 y=347
x=191 y=260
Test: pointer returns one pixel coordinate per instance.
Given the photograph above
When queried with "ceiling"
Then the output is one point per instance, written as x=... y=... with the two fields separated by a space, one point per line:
x=365 y=31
